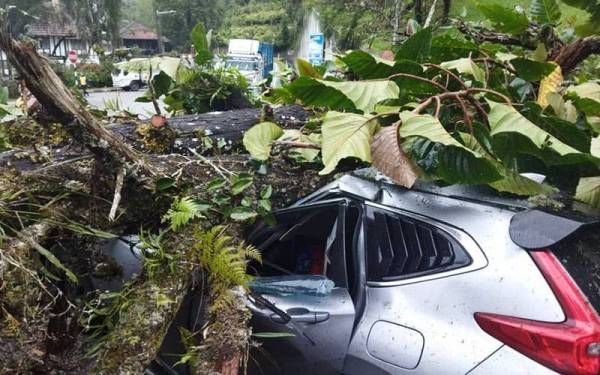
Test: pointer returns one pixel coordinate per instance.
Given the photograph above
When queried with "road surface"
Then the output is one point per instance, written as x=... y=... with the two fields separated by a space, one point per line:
x=113 y=101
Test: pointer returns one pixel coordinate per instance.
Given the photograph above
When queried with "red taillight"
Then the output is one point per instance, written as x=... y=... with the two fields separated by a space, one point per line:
x=570 y=347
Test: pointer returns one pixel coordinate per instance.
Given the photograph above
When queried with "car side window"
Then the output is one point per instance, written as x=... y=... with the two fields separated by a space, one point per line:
x=304 y=242
x=400 y=247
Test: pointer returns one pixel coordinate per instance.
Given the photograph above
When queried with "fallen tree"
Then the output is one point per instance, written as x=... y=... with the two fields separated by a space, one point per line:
x=92 y=180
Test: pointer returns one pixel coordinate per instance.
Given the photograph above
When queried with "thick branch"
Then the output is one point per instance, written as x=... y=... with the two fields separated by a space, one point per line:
x=572 y=54
x=62 y=105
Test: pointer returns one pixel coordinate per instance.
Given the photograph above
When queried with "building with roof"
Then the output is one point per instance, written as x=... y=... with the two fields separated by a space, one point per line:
x=137 y=35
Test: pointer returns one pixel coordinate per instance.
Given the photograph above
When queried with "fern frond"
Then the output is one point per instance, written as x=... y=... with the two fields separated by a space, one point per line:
x=183 y=211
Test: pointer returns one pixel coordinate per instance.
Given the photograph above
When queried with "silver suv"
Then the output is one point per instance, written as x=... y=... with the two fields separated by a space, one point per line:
x=366 y=278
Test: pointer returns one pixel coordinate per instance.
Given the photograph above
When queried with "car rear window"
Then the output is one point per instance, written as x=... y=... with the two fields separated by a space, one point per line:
x=580 y=255
x=399 y=247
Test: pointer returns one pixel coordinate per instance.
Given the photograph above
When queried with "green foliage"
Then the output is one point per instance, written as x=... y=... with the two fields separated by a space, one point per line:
x=182 y=211
x=545 y=11
x=225 y=263
x=360 y=95
x=307 y=69
x=156 y=257
x=346 y=135
x=417 y=47
x=531 y=70
x=504 y=19
x=201 y=45
x=258 y=139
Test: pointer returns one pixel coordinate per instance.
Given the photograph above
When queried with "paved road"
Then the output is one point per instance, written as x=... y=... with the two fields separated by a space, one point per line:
x=122 y=100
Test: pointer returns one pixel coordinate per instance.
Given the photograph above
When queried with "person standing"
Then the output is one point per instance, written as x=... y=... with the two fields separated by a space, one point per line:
x=83 y=84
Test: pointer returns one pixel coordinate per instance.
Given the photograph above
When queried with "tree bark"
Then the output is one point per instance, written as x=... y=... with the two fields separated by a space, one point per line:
x=573 y=54
x=49 y=90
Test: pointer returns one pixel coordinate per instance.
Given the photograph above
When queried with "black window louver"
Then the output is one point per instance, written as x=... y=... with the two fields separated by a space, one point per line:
x=400 y=247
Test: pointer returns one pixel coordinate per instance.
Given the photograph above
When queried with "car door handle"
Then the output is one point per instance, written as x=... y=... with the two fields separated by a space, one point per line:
x=310 y=317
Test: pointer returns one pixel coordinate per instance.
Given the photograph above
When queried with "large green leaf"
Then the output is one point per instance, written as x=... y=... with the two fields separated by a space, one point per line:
x=456 y=163
x=161 y=83
x=307 y=69
x=429 y=127
x=504 y=19
x=451 y=46
x=362 y=95
x=506 y=121
x=200 y=41
x=367 y=66
x=545 y=11
x=586 y=97
x=417 y=47
x=311 y=92
x=258 y=139
x=595 y=147
x=466 y=66
x=510 y=181
x=588 y=191
x=345 y=135
x=531 y=70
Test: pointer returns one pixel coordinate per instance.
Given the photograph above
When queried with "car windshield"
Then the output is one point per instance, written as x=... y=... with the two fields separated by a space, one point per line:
x=242 y=65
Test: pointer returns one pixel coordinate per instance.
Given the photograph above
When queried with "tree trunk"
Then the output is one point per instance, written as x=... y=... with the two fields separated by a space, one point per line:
x=49 y=90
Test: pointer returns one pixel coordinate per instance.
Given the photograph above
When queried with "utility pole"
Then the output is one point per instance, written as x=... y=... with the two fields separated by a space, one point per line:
x=161 y=48
x=157 y=14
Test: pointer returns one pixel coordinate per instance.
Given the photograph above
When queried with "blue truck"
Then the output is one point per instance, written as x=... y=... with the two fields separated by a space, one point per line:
x=252 y=58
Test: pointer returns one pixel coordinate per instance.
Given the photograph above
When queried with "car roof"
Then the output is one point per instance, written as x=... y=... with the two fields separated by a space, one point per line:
x=538 y=223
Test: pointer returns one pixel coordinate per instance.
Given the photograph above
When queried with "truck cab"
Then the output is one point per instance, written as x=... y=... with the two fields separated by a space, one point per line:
x=252 y=58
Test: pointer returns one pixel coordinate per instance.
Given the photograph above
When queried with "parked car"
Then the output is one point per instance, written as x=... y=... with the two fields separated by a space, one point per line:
x=376 y=279
x=427 y=281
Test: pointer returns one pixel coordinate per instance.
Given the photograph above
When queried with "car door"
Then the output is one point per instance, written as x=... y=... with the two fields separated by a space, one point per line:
x=305 y=327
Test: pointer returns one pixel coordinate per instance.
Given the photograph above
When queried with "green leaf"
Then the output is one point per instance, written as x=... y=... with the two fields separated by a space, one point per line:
x=182 y=211
x=241 y=182
x=143 y=99
x=215 y=184
x=456 y=163
x=595 y=146
x=161 y=83
x=545 y=11
x=416 y=48
x=264 y=204
x=312 y=92
x=362 y=95
x=266 y=191
x=307 y=69
x=588 y=191
x=165 y=183
x=3 y=95
x=241 y=213
x=56 y=262
x=504 y=19
x=345 y=135
x=586 y=97
x=258 y=139
x=531 y=70
x=367 y=66
x=506 y=121
x=198 y=37
x=466 y=66
x=301 y=155
x=510 y=181
x=429 y=127
x=451 y=46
